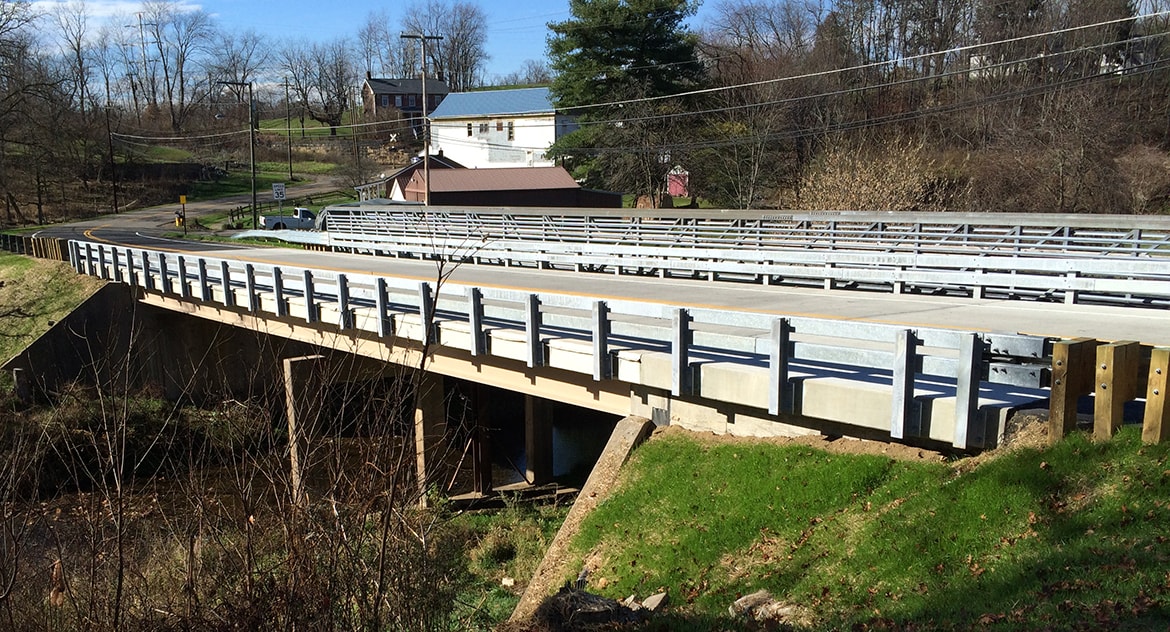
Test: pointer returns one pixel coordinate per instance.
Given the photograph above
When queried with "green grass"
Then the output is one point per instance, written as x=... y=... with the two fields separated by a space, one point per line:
x=1030 y=539
x=314 y=167
x=34 y=294
x=507 y=543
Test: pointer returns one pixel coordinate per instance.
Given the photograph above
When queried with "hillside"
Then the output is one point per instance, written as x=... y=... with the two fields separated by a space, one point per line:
x=35 y=294
x=1068 y=537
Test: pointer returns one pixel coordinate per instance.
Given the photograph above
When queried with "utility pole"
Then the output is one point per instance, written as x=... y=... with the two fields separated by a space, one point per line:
x=423 y=39
x=110 y=145
x=251 y=143
x=288 y=127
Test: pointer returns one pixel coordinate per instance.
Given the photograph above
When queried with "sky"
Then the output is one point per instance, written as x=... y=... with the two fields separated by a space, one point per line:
x=516 y=29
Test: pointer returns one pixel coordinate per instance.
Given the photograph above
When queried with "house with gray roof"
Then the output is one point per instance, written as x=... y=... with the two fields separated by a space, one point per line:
x=498 y=128
x=392 y=99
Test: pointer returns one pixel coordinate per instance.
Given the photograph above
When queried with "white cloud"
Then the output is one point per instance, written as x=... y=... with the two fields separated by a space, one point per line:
x=99 y=10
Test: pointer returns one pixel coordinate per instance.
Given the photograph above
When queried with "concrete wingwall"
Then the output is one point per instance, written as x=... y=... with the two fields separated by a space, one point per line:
x=115 y=340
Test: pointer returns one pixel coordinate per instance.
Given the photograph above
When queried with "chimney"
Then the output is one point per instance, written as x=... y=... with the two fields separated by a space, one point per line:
x=369 y=75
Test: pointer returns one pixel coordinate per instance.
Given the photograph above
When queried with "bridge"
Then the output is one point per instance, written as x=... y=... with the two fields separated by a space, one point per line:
x=922 y=329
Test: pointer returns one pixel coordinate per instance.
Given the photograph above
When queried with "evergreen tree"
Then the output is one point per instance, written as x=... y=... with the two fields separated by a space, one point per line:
x=610 y=60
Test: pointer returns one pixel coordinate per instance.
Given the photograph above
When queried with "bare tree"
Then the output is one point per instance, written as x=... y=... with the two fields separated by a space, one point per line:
x=181 y=40
x=381 y=48
x=460 y=56
x=239 y=58
x=322 y=77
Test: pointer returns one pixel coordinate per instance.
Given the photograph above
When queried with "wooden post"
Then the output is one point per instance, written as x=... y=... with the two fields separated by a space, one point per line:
x=1156 y=425
x=1072 y=377
x=1117 y=383
x=302 y=386
x=430 y=429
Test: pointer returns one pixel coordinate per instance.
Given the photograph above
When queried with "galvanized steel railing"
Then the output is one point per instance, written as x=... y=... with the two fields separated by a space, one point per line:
x=791 y=349
x=1105 y=260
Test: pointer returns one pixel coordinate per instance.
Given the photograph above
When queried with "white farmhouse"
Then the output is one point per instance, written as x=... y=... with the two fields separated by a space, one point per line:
x=498 y=128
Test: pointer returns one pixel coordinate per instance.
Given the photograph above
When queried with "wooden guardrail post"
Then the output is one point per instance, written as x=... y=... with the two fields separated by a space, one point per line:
x=1117 y=383
x=1072 y=377
x=1156 y=425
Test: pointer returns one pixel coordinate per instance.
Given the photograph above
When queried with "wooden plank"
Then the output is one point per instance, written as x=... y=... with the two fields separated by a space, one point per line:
x=1156 y=425
x=1072 y=377
x=1117 y=383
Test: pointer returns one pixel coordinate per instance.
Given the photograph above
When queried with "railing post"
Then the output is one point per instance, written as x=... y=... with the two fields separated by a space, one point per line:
x=532 y=331
x=779 y=396
x=310 y=305
x=903 y=421
x=381 y=307
x=1117 y=383
x=967 y=379
x=343 y=302
x=130 y=274
x=475 y=320
x=1156 y=425
x=250 y=288
x=225 y=279
x=680 y=345
x=426 y=311
x=163 y=274
x=114 y=263
x=147 y=278
x=89 y=267
x=74 y=255
x=1070 y=295
x=1072 y=377
x=181 y=269
x=278 y=291
x=204 y=286
x=602 y=365
x=101 y=262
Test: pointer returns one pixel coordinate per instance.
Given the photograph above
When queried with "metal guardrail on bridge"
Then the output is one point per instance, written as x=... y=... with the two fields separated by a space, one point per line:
x=914 y=365
x=1082 y=260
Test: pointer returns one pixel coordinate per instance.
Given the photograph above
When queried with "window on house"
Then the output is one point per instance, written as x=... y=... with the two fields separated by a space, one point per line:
x=398 y=100
x=483 y=128
x=469 y=129
x=499 y=126
x=511 y=130
x=410 y=101
x=385 y=100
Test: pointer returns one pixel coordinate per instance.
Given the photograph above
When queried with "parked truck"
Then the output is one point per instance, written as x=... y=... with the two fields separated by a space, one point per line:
x=298 y=218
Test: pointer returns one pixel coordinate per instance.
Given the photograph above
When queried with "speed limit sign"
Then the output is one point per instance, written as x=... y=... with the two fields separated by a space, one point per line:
x=278 y=191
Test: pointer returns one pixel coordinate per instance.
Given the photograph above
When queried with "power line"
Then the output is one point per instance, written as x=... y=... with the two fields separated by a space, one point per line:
x=876 y=64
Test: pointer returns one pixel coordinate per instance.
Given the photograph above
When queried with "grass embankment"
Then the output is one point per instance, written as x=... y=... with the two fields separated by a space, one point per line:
x=35 y=294
x=1068 y=537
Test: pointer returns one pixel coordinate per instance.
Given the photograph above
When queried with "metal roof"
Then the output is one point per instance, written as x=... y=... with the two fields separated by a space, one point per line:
x=498 y=179
x=494 y=103
x=406 y=86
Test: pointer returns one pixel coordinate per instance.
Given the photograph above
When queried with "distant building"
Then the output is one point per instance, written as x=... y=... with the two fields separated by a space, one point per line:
x=392 y=187
x=515 y=186
x=498 y=128
x=387 y=99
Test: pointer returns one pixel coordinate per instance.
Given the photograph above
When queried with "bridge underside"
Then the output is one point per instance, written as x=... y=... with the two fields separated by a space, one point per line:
x=726 y=397
x=193 y=348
